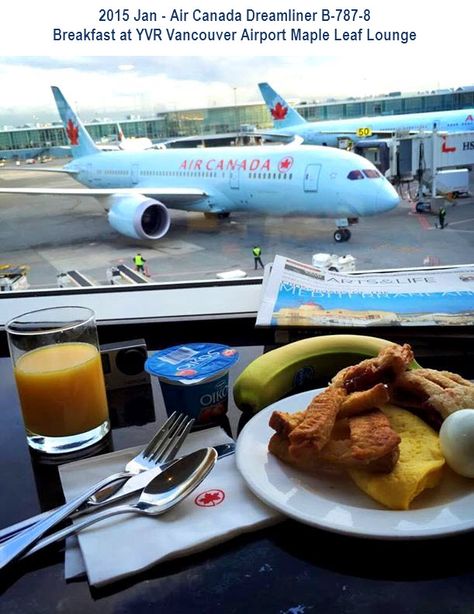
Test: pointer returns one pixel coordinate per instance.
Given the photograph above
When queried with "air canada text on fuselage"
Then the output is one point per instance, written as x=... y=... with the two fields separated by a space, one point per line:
x=215 y=164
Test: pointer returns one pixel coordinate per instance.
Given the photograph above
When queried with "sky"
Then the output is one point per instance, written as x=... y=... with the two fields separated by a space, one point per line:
x=112 y=86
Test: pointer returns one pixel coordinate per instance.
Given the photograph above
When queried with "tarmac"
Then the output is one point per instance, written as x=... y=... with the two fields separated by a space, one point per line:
x=52 y=235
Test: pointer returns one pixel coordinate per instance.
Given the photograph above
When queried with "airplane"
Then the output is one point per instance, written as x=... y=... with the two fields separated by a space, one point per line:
x=132 y=144
x=124 y=143
x=138 y=187
x=289 y=122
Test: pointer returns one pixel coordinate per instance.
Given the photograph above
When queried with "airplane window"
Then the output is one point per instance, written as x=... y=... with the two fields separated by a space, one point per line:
x=353 y=175
x=371 y=173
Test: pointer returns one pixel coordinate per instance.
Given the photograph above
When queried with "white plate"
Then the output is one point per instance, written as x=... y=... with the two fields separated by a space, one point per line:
x=335 y=503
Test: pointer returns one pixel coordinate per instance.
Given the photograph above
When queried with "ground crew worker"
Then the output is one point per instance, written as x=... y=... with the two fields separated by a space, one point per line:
x=139 y=262
x=257 y=252
x=441 y=216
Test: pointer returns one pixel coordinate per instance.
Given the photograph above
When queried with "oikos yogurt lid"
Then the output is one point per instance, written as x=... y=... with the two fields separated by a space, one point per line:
x=191 y=363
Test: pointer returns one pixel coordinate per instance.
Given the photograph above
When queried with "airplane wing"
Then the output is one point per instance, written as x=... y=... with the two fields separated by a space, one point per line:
x=165 y=195
x=43 y=169
x=224 y=139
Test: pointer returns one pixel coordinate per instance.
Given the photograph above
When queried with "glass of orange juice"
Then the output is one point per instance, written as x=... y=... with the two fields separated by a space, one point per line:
x=58 y=373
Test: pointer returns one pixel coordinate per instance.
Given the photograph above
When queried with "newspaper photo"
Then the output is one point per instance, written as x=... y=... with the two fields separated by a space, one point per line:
x=298 y=294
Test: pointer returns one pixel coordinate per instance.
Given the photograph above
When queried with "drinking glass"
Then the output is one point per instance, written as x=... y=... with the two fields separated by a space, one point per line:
x=59 y=377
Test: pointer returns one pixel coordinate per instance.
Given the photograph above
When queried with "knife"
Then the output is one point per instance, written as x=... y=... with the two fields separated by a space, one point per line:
x=133 y=485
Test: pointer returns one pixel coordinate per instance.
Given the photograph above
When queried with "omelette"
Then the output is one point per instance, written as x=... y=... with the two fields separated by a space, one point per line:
x=420 y=464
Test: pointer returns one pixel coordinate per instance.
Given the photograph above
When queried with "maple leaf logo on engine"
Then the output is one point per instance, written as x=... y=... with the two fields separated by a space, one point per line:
x=279 y=111
x=210 y=498
x=72 y=132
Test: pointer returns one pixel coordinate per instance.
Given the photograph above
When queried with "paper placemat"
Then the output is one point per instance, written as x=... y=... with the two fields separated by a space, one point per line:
x=220 y=508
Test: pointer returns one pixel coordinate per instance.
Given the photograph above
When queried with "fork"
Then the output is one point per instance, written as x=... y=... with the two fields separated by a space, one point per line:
x=162 y=448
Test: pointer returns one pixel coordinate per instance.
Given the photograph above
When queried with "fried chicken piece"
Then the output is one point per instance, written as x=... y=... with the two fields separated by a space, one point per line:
x=283 y=422
x=384 y=368
x=315 y=429
x=436 y=393
x=340 y=454
x=376 y=454
x=366 y=440
x=355 y=403
x=306 y=460
x=372 y=436
x=361 y=401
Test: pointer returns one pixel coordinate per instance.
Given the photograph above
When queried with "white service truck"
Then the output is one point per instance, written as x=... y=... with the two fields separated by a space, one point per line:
x=332 y=262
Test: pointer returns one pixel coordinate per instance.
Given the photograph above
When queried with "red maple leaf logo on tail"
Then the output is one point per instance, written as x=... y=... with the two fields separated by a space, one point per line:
x=279 y=111
x=72 y=132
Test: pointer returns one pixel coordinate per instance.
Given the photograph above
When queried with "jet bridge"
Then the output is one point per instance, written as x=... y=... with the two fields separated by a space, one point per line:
x=438 y=161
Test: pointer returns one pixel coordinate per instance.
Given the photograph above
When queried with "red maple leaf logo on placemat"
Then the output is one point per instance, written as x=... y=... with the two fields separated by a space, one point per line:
x=72 y=132
x=279 y=111
x=210 y=498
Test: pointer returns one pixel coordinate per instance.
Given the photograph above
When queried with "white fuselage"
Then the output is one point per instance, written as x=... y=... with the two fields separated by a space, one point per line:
x=277 y=180
x=444 y=121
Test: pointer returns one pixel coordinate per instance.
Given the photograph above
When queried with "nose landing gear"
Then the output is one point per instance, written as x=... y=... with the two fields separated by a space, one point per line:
x=342 y=234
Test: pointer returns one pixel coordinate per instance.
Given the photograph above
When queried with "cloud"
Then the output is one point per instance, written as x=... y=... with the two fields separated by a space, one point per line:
x=100 y=87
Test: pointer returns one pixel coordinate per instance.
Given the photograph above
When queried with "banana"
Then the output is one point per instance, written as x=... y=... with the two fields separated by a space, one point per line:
x=286 y=369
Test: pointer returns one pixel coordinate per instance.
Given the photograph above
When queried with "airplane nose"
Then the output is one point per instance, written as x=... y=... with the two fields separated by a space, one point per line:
x=388 y=197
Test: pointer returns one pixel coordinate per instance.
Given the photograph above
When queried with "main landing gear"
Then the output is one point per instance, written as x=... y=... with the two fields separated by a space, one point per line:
x=222 y=215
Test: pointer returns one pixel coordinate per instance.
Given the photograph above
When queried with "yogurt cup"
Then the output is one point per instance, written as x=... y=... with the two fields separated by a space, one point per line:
x=194 y=379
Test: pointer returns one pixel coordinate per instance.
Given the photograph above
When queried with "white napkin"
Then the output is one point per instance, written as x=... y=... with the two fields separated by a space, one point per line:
x=126 y=544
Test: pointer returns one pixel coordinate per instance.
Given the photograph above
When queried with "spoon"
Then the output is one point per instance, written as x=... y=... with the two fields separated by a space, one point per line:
x=162 y=493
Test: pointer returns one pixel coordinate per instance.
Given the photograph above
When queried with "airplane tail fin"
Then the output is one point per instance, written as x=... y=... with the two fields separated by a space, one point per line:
x=283 y=115
x=79 y=139
x=120 y=135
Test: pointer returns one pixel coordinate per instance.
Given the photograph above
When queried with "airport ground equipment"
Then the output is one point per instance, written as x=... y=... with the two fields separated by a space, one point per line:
x=130 y=276
x=13 y=278
x=234 y=274
x=451 y=181
x=333 y=262
x=74 y=279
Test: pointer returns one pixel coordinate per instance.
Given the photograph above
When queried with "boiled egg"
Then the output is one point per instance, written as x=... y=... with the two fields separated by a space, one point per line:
x=456 y=438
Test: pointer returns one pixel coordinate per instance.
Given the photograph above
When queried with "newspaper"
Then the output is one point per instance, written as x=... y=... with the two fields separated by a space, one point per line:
x=298 y=294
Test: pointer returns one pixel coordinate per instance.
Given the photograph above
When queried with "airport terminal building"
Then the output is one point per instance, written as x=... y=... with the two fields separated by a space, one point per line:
x=34 y=141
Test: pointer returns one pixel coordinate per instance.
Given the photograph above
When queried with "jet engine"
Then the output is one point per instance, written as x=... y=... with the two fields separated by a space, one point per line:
x=138 y=217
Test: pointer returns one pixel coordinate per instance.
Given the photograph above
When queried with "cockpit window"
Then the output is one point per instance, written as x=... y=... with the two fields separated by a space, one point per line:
x=371 y=173
x=353 y=175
